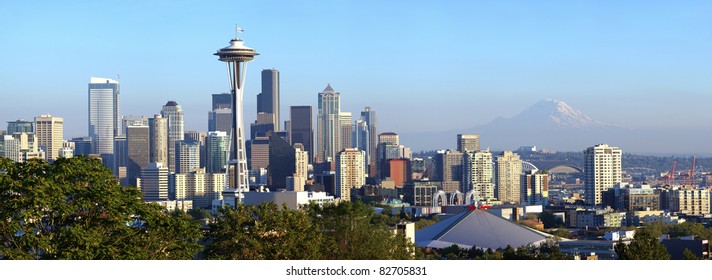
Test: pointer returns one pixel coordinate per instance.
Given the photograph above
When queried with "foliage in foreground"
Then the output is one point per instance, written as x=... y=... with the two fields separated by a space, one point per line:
x=344 y=231
x=75 y=209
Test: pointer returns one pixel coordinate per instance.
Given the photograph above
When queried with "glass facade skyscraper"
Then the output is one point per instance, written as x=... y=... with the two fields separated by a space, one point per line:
x=104 y=114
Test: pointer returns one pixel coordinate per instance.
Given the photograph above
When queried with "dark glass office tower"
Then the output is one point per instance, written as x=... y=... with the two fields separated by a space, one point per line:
x=301 y=130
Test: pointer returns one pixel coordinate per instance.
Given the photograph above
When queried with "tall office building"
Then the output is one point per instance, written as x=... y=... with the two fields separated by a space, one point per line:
x=50 y=134
x=268 y=100
x=301 y=130
x=174 y=113
x=159 y=139
x=346 y=127
x=154 y=182
x=388 y=137
x=132 y=120
x=222 y=101
x=187 y=156
x=104 y=114
x=508 y=170
x=121 y=159
x=259 y=153
x=19 y=126
x=281 y=162
x=468 y=142
x=602 y=170
x=349 y=172
x=477 y=174
x=369 y=116
x=217 y=144
x=360 y=138
x=220 y=120
x=138 y=151
x=328 y=124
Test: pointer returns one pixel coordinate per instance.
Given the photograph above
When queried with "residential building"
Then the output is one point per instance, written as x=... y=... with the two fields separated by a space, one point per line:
x=349 y=172
x=477 y=174
x=154 y=182
x=217 y=148
x=534 y=188
x=508 y=170
x=158 y=139
x=187 y=156
x=602 y=170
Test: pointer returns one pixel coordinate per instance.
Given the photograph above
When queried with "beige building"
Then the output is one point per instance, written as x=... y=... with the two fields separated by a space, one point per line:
x=689 y=201
x=508 y=169
x=534 y=188
x=349 y=172
x=388 y=137
x=602 y=170
x=50 y=133
x=468 y=142
x=346 y=127
x=202 y=188
x=301 y=170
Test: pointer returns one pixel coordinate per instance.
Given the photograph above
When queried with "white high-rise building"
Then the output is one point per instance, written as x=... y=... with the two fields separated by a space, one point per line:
x=477 y=174
x=301 y=168
x=104 y=114
x=328 y=124
x=49 y=131
x=534 y=188
x=602 y=170
x=349 y=172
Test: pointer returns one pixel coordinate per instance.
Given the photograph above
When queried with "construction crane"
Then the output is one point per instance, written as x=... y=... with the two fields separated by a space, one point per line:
x=671 y=175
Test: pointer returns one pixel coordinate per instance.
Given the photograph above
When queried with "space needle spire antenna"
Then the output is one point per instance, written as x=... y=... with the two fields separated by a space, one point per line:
x=236 y=56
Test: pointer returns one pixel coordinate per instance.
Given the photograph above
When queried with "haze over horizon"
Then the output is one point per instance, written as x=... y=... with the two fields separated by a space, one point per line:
x=424 y=67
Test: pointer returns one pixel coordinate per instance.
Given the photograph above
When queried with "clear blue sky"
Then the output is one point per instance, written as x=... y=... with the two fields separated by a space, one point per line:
x=422 y=65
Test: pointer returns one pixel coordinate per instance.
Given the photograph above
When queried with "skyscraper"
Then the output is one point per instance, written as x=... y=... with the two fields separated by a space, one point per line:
x=301 y=130
x=468 y=142
x=268 y=100
x=346 y=127
x=174 y=113
x=369 y=116
x=104 y=114
x=388 y=137
x=450 y=167
x=222 y=101
x=602 y=170
x=187 y=156
x=50 y=134
x=159 y=139
x=138 y=151
x=349 y=172
x=217 y=144
x=535 y=188
x=508 y=167
x=361 y=139
x=328 y=125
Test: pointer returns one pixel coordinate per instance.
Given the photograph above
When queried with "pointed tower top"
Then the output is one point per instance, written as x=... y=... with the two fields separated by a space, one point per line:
x=328 y=88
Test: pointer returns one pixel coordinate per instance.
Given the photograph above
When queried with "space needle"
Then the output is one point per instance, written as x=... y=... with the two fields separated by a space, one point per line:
x=236 y=56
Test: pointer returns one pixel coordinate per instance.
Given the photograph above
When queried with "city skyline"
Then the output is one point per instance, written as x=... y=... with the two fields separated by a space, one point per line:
x=649 y=58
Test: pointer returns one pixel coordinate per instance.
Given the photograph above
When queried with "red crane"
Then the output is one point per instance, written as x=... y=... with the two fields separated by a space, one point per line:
x=671 y=175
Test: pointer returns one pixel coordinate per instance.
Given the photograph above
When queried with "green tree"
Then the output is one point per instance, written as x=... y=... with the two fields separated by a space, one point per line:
x=263 y=232
x=687 y=254
x=350 y=233
x=645 y=246
x=75 y=209
x=547 y=217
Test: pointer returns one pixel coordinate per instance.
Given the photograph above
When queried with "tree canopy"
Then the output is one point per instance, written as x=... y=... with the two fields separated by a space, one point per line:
x=645 y=246
x=76 y=209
